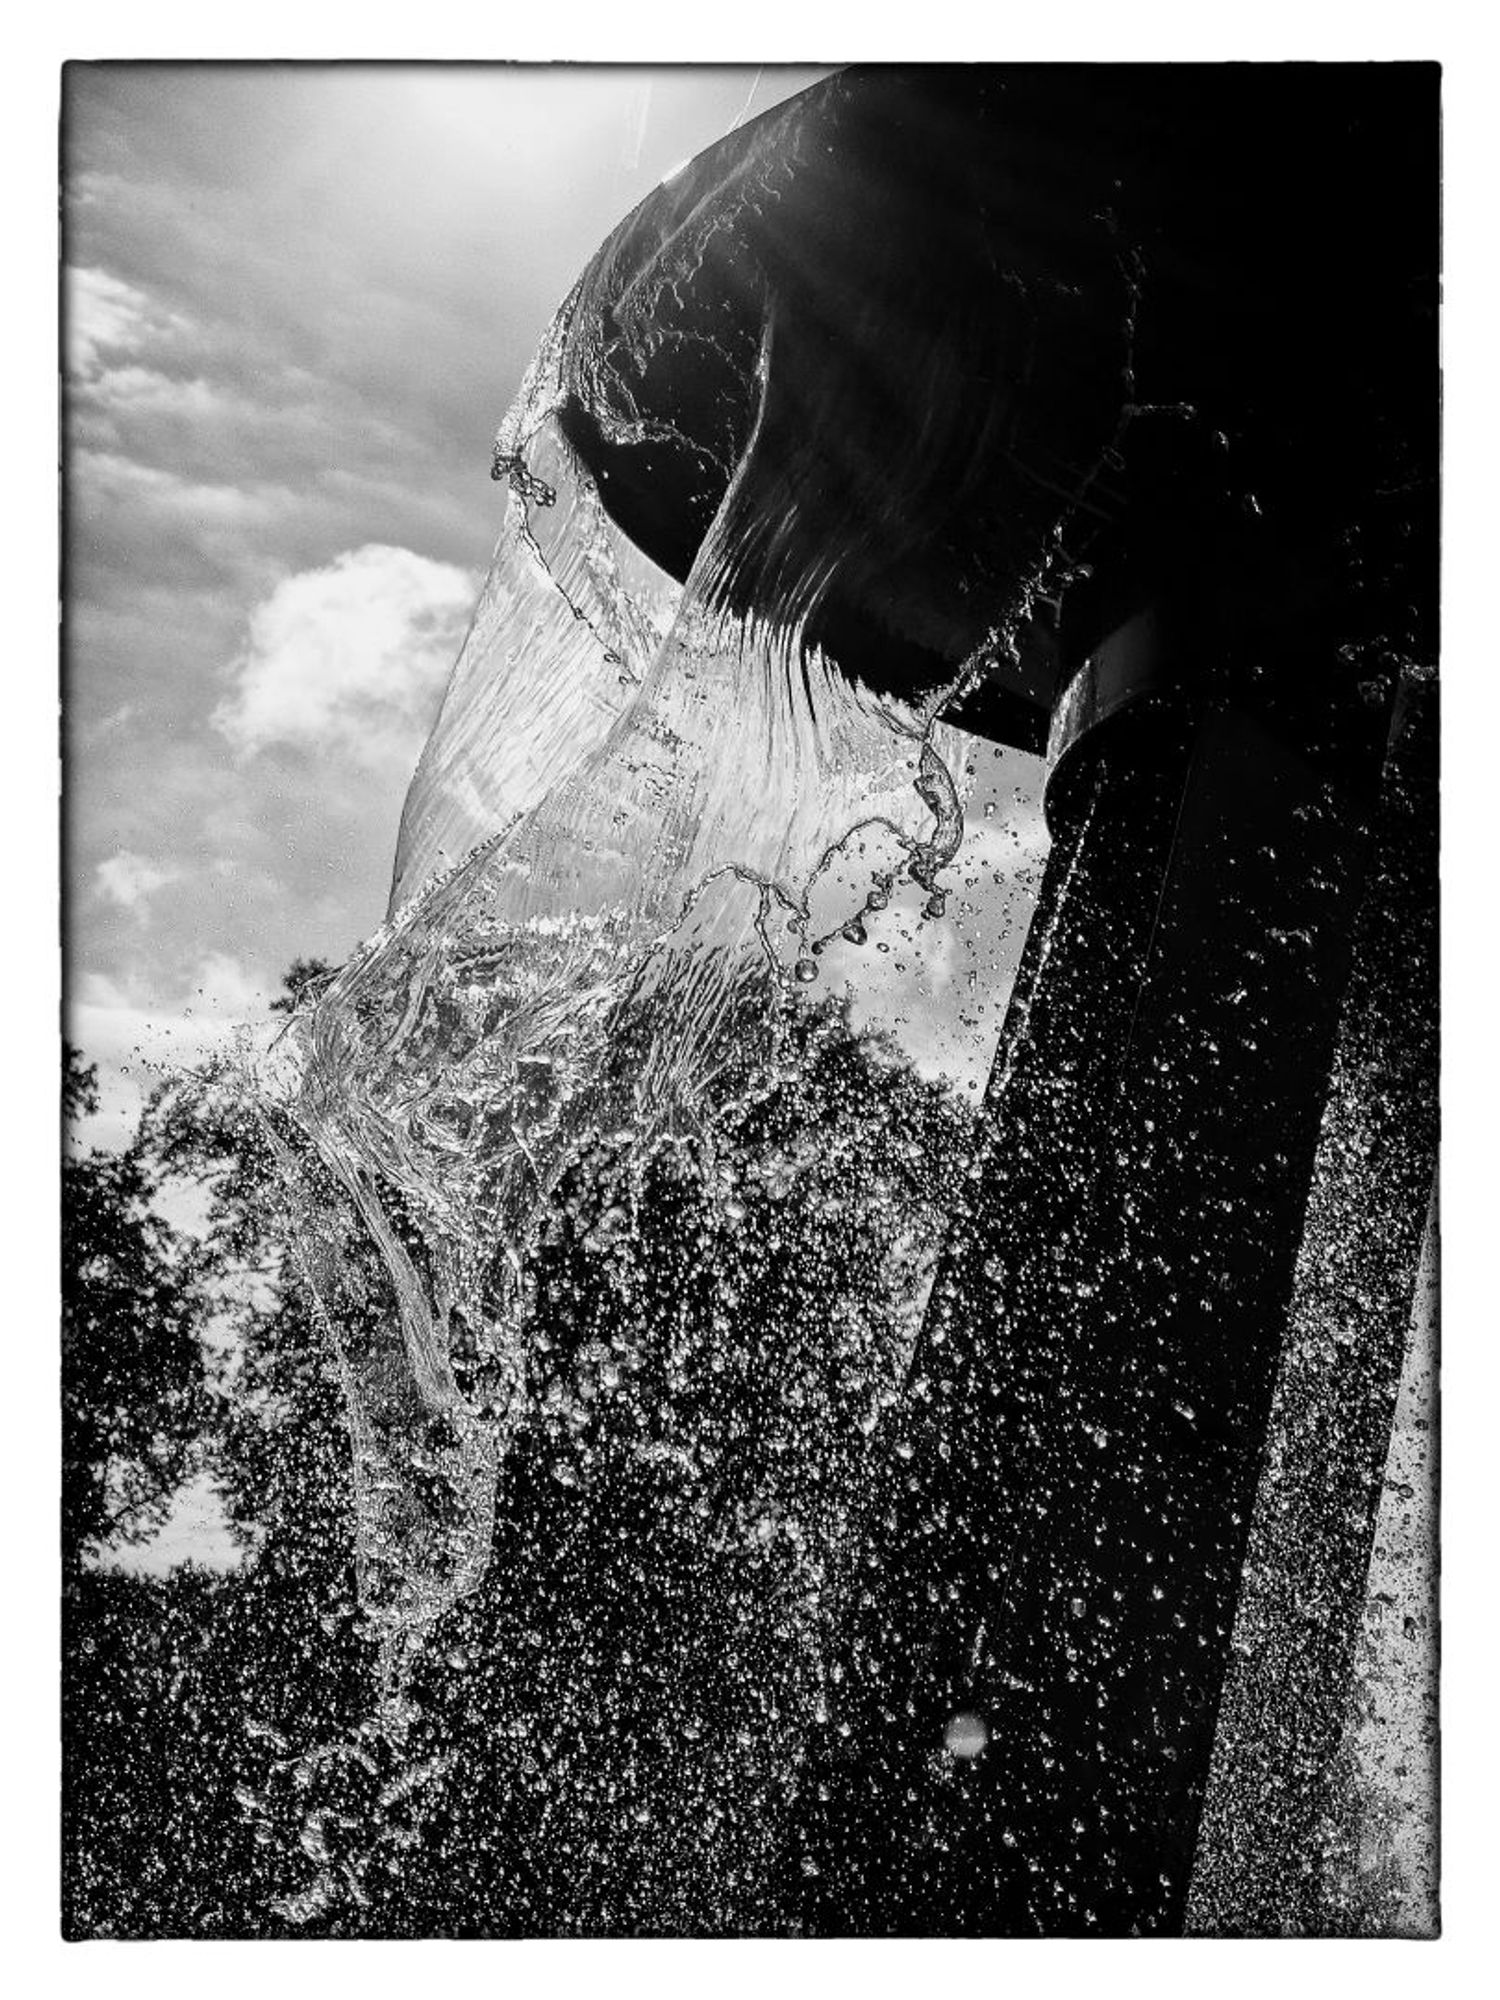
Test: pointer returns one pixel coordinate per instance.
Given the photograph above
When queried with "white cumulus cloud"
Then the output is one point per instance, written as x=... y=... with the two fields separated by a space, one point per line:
x=351 y=657
x=104 y=314
x=131 y=880
x=135 y=1034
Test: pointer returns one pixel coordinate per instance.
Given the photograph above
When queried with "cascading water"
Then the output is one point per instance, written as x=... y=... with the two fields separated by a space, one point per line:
x=639 y=824
x=594 y=961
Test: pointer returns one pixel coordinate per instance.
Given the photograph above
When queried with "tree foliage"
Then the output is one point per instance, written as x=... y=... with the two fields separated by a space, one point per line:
x=134 y=1296
x=609 y=1724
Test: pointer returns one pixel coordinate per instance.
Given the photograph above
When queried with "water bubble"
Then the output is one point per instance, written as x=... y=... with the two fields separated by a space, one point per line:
x=966 y=1734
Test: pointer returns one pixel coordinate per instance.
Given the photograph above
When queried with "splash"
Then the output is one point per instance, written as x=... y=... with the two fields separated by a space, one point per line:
x=638 y=824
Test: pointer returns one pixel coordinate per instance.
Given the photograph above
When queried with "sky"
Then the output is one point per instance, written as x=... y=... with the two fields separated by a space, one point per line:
x=297 y=301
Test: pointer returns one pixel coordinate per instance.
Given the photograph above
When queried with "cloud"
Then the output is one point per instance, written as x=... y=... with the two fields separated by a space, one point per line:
x=351 y=656
x=135 y=1039
x=131 y=880
x=105 y=315
x=114 y=481
x=147 y=392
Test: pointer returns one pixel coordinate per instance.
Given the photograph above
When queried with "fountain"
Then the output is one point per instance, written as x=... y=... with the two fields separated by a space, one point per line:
x=1058 y=407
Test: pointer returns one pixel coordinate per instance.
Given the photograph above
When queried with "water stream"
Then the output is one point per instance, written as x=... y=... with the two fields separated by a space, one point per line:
x=641 y=831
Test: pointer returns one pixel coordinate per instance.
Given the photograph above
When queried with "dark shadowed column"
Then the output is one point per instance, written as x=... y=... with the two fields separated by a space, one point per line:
x=1287 y=1700
x=1053 y=1580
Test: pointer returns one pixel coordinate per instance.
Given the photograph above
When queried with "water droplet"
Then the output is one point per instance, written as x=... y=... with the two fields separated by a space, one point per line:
x=966 y=1735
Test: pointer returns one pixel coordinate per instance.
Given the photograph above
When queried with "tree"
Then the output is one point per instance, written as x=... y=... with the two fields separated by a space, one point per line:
x=187 y=1697
x=135 y=1295
x=717 y=1336
x=132 y=1375
x=717 y=1330
x=277 y=1447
